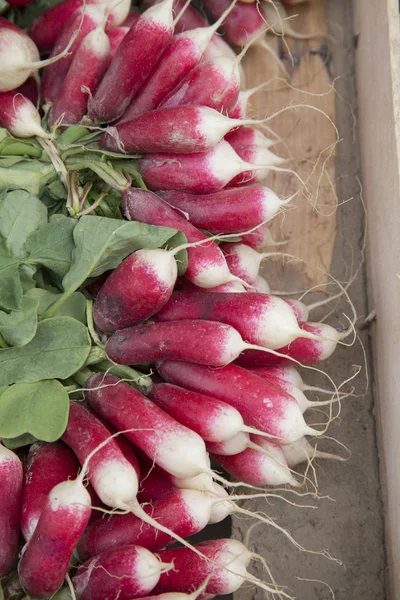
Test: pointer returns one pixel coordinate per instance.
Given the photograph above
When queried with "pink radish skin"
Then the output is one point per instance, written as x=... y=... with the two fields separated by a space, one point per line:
x=257 y=155
x=206 y=265
x=244 y=23
x=47 y=555
x=132 y=17
x=299 y=308
x=289 y=374
x=11 y=477
x=199 y=172
x=306 y=351
x=227 y=211
x=85 y=20
x=174 y=447
x=247 y=136
x=190 y=570
x=261 y=319
x=46 y=466
x=115 y=37
x=186 y=512
x=301 y=399
x=46 y=28
x=20 y=116
x=212 y=419
x=213 y=83
x=81 y=80
x=256 y=468
x=261 y=404
x=133 y=63
x=181 y=56
x=259 y=239
x=19 y=3
x=126 y=573
x=181 y=130
x=184 y=284
x=135 y=290
x=235 y=445
x=29 y=90
x=202 y=342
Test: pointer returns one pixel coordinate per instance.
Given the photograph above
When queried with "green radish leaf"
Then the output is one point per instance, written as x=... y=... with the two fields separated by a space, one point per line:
x=19 y=326
x=26 y=439
x=30 y=175
x=51 y=245
x=40 y=409
x=182 y=257
x=74 y=306
x=10 y=282
x=59 y=349
x=102 y=243
x=20 y=215
x=27 y=274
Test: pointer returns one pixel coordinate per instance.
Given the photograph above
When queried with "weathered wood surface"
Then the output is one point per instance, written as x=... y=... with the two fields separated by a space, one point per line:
x=331 y=241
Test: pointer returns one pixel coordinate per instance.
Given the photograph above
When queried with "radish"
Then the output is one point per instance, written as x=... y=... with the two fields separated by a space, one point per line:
x=289 y=374
x=256 y=468
x=191 y=19
x=247 y=136
x=80 y=82
x=46 y=466
x=20 y=56
x=20 y=116
x=235 y=445
x=213 y=83
x=46 y=28
x=82 y=22
x=206 y=264
x=11 y=476
x=262 y=405
x=301 y=451
x=112 y=476
x=115 y=37
x=199 y=172
x=183 y=284
x=30 y=90
x=127 y=573
x=260 y=238
x=212 y=419
x=303 y=350
x=227 y=570
x=174 y=447
x=181 y=56
x=135 y=290
x=133 y=63
x=229 y=210
x=243 y=24
x=291 y=389
x=181 y=130
x=203 y=342
x=261 y=319
x=257 y=155
x=261 y=285
x=132 y=17
x=46 y=557
x=186 y=512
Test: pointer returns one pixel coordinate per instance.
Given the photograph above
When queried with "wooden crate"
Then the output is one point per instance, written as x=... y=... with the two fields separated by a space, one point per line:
x=323 y=73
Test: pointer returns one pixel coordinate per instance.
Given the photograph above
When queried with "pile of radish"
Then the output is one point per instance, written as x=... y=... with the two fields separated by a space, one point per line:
x=146 y=371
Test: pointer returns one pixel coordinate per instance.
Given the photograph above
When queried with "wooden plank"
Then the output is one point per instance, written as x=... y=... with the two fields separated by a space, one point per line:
x=378 y=77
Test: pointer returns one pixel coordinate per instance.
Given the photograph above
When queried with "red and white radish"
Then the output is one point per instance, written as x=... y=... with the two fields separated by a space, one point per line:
x=115 y=37
x=20 y=56
x=291 y=375
x=229 y=210
x=11 y=477
x=261 y=319
x=20 y=116
x=262 y=405
x=47 y=555
x=46 y=466
x=84 y=74
x=244 y=23
x=261 y=285
x=199 y=172
x=82 y=22
x=181 y=56
x=302 y=451
x=136 y=289
x=123 y=573
x=133 y=63
x=206 y=264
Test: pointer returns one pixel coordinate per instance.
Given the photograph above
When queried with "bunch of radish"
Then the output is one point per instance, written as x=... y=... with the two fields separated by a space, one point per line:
x=132 y=474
